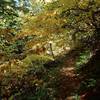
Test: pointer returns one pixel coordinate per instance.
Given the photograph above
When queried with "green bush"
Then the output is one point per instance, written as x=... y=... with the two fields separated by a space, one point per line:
x=87 y=84
x=82 y=59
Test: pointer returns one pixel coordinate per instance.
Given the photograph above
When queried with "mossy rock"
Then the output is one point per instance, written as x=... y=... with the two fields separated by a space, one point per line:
x=30 y=59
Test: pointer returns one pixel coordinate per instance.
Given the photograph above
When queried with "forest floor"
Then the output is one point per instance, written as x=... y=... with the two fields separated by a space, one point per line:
x=69 y=81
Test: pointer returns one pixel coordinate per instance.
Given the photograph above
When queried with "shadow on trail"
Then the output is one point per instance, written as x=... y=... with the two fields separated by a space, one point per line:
x=68 y=81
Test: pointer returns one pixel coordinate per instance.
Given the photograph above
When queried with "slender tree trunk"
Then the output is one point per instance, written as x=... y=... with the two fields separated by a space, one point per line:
x=51 y=51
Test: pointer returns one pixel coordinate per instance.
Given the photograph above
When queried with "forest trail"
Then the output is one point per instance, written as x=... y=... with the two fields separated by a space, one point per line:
x=68 y=79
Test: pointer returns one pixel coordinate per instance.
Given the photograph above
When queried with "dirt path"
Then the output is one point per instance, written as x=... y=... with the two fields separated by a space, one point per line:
x=68 y=80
